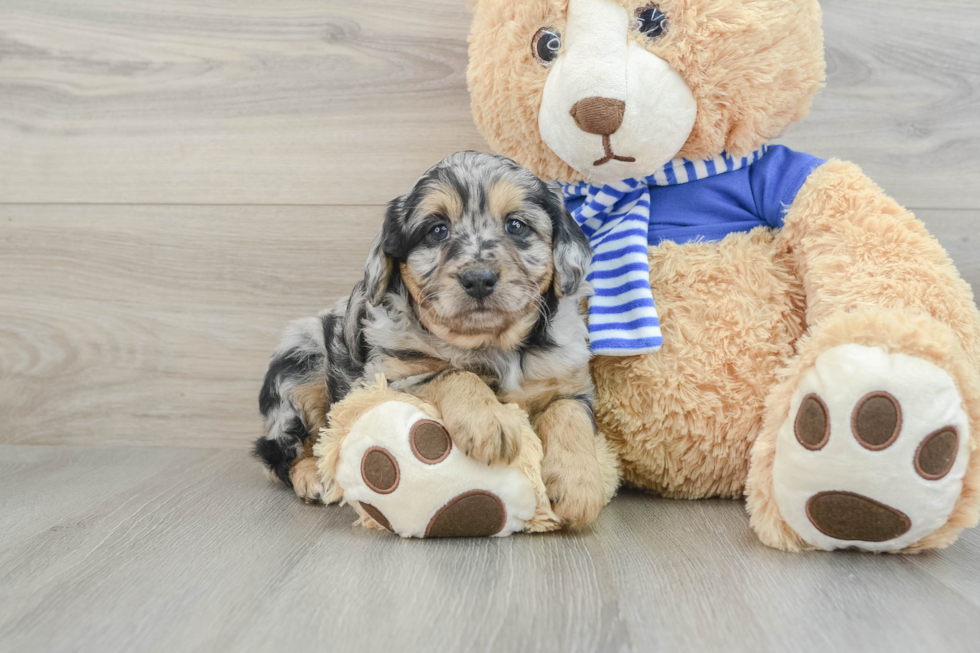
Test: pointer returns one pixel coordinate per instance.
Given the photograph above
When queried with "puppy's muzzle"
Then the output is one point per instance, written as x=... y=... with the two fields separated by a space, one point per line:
x=480 y=283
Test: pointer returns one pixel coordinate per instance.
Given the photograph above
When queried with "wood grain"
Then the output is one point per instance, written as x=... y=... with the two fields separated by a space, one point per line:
x=192 y=550
x=334 y=102
x=959 y=233
x=153 y=325
x=902 y=98
x=287 y=102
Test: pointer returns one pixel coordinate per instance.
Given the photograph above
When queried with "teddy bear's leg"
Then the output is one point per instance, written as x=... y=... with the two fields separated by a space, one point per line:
x=576 y=470
x=343 y=416
x=869 y=441
x=388 y=454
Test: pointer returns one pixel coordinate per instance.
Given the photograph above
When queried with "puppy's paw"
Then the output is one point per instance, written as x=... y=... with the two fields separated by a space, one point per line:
x=306 y=480
x=490 y=434
x=574 y=485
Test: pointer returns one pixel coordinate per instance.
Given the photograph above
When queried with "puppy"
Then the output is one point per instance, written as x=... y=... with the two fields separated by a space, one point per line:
x=471 y=298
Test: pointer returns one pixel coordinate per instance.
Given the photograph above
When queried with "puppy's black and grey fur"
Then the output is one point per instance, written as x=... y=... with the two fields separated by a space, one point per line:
x=479 y=268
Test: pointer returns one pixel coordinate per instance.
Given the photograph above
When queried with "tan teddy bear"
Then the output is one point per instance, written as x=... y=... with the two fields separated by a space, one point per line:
x=764 y=322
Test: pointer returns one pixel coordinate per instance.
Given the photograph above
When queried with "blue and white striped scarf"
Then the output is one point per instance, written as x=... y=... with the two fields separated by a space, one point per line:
x=623 y=318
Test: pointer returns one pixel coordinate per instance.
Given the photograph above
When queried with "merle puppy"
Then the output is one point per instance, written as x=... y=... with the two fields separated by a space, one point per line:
x=471 y=297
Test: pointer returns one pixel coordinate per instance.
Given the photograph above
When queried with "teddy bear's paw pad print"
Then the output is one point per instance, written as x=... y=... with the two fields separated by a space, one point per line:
x=379 y=470
x=812 y=426
x=850 y=516
x=473 y=514
x=877 y=421
x=399 y=468
x=376 y=515
x=873 y=453
x=937 y=453
x=430 y=441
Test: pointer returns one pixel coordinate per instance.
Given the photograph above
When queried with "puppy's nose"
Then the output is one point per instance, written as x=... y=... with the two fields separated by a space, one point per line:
x=479 y=283
x=598 y=115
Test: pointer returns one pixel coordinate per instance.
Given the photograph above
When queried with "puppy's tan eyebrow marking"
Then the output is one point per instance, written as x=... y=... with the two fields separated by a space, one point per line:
x=442 y=200
x=504 y=197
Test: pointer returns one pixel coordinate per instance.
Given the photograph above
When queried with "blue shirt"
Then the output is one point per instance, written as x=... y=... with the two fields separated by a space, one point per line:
x=709 y=209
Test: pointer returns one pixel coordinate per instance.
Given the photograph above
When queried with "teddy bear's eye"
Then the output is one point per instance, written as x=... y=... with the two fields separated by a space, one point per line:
x=651 y=22
x=545 y=46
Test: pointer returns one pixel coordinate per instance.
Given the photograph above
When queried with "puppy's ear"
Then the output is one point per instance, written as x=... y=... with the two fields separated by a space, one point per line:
x=572 y=252
x=387 y=246
x=377 y=271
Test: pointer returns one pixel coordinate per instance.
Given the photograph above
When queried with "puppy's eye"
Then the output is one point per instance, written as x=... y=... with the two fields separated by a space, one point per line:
x=515 y=227
x=438 y=234
x=545 y=46
x=651 y=22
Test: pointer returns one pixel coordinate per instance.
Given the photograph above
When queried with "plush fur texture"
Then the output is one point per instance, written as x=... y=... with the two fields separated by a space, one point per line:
x=683 y=419
x=743 y=319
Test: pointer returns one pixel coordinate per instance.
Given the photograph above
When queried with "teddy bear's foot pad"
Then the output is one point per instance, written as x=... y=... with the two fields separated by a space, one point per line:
x=400 y=468
x=475 y=514
x=850 y=516
x=874 y=452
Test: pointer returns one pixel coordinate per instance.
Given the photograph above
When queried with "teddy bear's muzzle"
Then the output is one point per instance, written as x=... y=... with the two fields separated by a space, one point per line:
x=611 y=109
x=599 y=115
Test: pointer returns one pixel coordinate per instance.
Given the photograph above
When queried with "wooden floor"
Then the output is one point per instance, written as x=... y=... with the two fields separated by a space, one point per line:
x=179 y=179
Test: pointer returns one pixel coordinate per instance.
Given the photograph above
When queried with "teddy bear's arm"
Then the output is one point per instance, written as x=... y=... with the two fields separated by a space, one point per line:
x=855 y=247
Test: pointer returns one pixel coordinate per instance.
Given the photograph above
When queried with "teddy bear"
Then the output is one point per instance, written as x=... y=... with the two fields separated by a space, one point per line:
x=763 y=323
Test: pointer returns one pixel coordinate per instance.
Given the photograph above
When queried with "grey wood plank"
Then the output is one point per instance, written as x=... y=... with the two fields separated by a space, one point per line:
x=715 y=572
x=203 y=554
x=902 y=97
x=291 y=102
x=42 y=487
x=153 y=325
x=182 y=557
x=327 y=101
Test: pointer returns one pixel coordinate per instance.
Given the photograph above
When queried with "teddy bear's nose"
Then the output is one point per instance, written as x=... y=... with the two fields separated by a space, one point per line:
x=598 y=115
